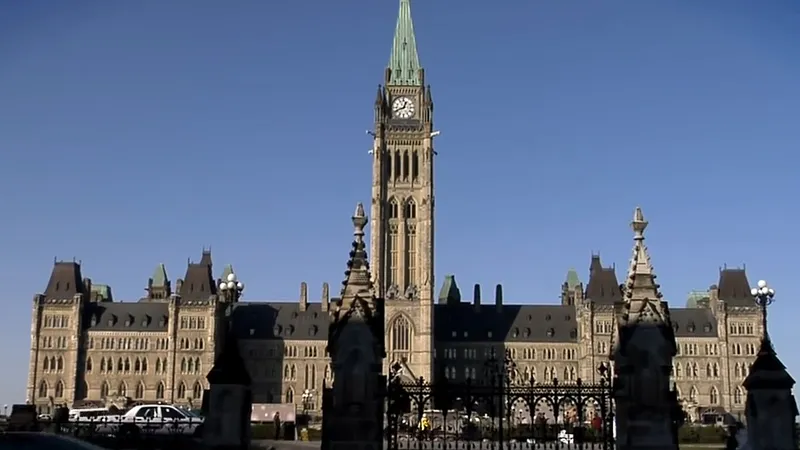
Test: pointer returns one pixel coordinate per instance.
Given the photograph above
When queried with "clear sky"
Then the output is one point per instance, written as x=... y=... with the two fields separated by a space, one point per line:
x=134 y=133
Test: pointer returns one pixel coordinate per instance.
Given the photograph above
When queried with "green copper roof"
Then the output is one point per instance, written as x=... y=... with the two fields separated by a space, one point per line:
x=160 y=276
x=450 y=291
x=404 y=61
x=697 y=299
x=227 y=271
x=572 y=279
x=102 y=291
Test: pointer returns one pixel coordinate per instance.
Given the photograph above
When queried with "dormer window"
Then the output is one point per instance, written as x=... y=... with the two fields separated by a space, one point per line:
x=163 y=322
x=94 y=321
x=112 y=320
x=551 y=332
x=129 y=321
x=146 y=321
x=708 y=327
x=690 y=328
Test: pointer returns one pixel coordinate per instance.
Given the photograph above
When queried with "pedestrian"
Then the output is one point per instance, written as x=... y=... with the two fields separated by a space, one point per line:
x=277 y=423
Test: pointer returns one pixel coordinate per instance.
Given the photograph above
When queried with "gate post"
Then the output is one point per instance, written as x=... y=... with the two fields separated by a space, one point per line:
x=352 y=419
x=643 y=348
x=770 y=408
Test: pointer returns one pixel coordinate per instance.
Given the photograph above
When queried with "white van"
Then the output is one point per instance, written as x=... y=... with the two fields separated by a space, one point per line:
x=88 y=414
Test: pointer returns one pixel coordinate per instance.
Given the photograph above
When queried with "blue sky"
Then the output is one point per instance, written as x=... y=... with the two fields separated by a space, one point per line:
x=134 y=133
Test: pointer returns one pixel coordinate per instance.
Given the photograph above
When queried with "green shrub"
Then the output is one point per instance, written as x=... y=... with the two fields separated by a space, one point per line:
x=689 y=434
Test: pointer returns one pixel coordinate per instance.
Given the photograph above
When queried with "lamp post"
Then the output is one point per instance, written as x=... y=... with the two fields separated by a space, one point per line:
x=231 y=288
x=500 y=375
x=764 y=296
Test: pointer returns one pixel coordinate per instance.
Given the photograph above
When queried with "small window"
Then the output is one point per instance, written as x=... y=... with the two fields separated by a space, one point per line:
x=277 y=330
x=547 y=317
x=551 y=332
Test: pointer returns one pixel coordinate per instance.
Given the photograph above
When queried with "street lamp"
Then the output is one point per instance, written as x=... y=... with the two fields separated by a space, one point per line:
x=308 y=398
x=231 y=288
x=764 y=296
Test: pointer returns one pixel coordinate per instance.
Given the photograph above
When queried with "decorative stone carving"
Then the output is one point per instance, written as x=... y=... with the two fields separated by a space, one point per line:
x=411 y=292
x=644 y=345
x=392 y=292
x=352 y=418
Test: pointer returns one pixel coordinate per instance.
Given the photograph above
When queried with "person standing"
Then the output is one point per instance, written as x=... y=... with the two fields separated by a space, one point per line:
x=277 y=423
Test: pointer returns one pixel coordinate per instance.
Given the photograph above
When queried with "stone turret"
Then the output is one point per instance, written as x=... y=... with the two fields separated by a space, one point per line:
x=356 y=346
x=644 y=346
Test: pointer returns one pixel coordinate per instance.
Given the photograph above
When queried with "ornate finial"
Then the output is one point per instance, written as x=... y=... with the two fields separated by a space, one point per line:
x=359 y=219
x=638 y=224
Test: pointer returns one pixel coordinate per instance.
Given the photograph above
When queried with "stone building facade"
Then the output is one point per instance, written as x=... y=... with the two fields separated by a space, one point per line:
x=87 y=346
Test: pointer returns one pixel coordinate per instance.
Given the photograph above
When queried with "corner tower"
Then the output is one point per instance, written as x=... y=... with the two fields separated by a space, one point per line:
x=402 y=203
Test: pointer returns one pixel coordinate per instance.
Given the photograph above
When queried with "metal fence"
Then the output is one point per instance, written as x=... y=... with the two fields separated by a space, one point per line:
x=499 y=411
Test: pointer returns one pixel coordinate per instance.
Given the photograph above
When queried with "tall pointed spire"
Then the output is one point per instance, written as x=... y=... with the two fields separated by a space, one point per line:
x=642 y=294
x=404 y=62
x=357 y=276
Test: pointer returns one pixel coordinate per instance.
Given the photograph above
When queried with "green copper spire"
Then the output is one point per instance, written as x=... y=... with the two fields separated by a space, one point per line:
x=160 y=276
x=572 y=279
x=404 y=61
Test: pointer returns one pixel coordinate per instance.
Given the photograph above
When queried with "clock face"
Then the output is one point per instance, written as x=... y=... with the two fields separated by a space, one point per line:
x=403 y=108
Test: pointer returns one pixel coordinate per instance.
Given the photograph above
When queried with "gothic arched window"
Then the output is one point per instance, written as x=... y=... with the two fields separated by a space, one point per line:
x=139 y=391
x=693 y=394
x=104 y=388
x=401 y=335
x=160 y=391
x=59 y=390
x=738 y=395
x=181 y=390
x=289 y=396
x=713 y=395
x=197 y=390
x=43 y=389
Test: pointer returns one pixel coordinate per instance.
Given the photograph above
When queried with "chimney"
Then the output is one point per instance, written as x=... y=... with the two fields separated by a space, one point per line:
x=498 y=297
x=476 y=297
x=303 y=296
x=326 y=301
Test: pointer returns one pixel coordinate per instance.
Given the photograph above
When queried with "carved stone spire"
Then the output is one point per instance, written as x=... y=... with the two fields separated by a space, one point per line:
x=642 y=295
x=357 y=277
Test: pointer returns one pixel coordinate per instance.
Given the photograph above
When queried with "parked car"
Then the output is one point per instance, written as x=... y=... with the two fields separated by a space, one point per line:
x=153 y=419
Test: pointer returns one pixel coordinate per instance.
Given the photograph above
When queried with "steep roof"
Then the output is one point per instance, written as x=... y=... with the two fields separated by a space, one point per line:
x=404 y=60
x=512 y=323
x=199 y=283
x=602 y=287
x=734 y=288
x=65 y=280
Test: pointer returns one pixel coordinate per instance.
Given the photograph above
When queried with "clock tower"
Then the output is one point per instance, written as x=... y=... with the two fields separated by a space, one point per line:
x=403 y=204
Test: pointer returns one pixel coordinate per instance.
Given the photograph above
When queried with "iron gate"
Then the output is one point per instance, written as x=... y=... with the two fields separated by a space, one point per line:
x=500 y=411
